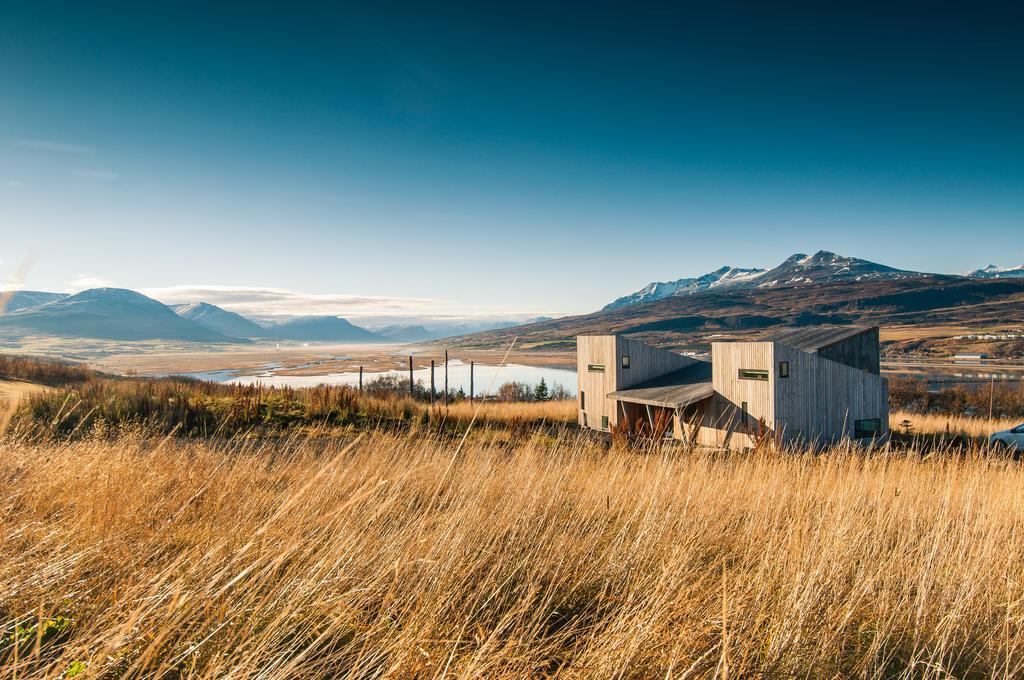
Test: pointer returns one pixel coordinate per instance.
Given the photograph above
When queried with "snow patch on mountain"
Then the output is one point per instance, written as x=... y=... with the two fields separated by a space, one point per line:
x=725 y=277
x=994 y=272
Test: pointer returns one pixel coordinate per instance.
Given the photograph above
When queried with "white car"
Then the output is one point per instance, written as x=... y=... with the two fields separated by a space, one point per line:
x=1012 y=438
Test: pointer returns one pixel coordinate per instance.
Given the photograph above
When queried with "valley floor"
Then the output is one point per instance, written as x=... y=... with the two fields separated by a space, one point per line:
x=312 y=359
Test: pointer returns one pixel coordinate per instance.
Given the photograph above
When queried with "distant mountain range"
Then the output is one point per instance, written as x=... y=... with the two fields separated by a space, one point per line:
x=121 y=314
x=110 y=314
x=824 y=288
x=846 y=289
x=796 y=270
x=322 y=329
x=399 y=333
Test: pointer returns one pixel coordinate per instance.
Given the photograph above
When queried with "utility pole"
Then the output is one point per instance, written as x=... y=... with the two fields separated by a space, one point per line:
x=412 y=393
x=432 y=392
x=360 y=378
x=991 y=395
x=446 y=377
x=471 y=365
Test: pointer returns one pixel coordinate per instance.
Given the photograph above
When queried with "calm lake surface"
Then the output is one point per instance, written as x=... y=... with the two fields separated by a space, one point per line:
x=487 y=379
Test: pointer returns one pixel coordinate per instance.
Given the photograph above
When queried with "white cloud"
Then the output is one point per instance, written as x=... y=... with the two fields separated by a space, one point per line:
x=86 y=281
x=13 y=183
x=92 y=173
x=57 y=147
x=268 y=303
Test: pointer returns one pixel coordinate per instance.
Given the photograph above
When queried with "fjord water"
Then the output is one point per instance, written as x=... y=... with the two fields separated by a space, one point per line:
x=487 y=378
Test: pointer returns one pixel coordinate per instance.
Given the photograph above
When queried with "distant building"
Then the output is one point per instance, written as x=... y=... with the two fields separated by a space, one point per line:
x=816 y=384
x=969 y=357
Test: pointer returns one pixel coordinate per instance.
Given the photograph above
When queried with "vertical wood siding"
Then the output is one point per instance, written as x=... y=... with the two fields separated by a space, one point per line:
x=822 y=398
x=727 y=358
x=596 y=349
x=646 y=362
x=861 y=351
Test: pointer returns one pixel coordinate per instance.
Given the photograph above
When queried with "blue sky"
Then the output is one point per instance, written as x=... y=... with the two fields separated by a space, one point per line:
x=452 y=159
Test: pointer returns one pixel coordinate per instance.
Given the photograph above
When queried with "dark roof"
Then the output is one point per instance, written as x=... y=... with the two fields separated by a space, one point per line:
x=679 y=388
x=814 y=338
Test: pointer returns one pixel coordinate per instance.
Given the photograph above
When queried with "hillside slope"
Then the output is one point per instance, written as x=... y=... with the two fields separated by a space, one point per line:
x=14 y=300
x=220 y=320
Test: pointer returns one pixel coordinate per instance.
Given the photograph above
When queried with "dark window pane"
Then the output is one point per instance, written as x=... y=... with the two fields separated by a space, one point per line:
x=869 y=427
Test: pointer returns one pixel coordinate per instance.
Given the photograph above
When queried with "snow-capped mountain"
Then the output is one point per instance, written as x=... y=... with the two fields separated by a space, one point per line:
x=797 y=270
x=827 y=267
x=726 y=277
x=994 y=272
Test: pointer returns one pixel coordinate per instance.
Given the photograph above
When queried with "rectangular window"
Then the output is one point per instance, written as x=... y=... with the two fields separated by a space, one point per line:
x=583 y=400
x=625 y=361
x=751 y=374
x=743 y=414
x=604 y=422
x=783 y=369
x=595 y=368
x=870 y=427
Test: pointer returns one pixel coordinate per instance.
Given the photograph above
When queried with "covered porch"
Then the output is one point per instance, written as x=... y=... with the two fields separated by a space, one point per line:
x=673 y=405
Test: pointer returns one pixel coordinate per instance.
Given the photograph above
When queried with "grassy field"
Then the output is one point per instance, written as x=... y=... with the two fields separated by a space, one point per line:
x=171 y=528
x=403 y=555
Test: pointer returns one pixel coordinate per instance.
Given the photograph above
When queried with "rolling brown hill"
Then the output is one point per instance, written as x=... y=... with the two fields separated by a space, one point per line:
x=682 y=321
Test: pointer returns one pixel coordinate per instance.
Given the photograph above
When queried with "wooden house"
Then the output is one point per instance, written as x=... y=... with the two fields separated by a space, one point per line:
x=811 y=385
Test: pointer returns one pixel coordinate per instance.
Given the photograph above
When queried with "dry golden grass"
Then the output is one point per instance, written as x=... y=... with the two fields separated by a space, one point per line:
x=953 y=424
x=400 y=556
x=558 y=412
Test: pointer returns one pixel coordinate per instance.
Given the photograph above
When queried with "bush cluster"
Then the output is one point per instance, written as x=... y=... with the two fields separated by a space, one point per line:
x=1006 y=399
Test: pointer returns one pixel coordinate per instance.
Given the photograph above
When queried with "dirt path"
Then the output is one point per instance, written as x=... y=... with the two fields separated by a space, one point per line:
x=14 y=391
x=11 y=394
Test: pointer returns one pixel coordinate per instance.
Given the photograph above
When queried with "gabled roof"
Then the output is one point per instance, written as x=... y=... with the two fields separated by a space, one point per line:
x=674 y=390
x=814 y=338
